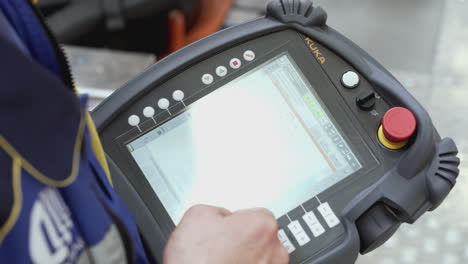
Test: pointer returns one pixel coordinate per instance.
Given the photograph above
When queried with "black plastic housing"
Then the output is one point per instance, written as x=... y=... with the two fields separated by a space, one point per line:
x=405 y=184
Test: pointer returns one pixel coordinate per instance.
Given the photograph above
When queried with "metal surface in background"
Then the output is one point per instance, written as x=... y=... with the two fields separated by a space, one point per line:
x=99 y=72
x=424 y=43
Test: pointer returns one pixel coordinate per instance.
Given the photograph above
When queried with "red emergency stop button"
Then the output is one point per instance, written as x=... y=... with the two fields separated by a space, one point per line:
x=398 y=125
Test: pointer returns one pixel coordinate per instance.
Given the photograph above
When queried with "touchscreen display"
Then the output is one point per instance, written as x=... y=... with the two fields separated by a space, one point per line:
x=262 y=140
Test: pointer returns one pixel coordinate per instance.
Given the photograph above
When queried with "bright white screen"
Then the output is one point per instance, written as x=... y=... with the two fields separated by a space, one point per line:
x=262 y=140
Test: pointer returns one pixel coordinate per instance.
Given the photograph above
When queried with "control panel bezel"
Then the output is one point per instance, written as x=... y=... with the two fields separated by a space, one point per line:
x=410 y=181
x=356 y=133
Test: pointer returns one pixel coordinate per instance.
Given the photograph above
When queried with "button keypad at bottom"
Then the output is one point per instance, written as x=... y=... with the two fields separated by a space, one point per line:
x=283 y=238
x=312 y=222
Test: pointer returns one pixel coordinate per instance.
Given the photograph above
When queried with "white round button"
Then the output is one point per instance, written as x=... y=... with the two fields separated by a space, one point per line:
x=350 y=79
x=207 y=79
x=134 y=120
x=235 y=63
x=149 y=112
x=249 y=55
x=163 y=103
x=178 y=95
x=221 y=71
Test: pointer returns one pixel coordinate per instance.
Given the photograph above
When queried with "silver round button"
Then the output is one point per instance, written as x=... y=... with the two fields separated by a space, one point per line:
x=350 y=80
x=149 y=112
x=235 y=63
x=178 y=95
x=207 y=79
x=134 y=120
x=221 y=71
x=163 y=103
x=249 y=55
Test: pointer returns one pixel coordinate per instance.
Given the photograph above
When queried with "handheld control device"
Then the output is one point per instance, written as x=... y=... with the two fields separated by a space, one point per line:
x=285 y=113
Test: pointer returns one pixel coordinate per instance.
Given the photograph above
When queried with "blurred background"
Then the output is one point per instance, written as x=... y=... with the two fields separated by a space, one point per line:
x=424 y=43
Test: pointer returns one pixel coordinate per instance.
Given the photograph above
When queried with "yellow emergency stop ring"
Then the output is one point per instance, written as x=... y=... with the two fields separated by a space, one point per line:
x=390 y=144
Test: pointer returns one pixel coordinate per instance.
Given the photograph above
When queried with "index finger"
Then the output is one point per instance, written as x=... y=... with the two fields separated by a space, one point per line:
x=201 y=211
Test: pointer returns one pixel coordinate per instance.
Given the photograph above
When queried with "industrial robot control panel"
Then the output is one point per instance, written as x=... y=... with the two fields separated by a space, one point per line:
x=285 y=113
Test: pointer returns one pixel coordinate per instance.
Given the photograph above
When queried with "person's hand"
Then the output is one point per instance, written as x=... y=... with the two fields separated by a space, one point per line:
x=210 y=235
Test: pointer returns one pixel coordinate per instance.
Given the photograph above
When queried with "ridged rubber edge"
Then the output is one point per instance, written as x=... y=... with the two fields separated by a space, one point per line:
x=297 y=11
x=444 y=172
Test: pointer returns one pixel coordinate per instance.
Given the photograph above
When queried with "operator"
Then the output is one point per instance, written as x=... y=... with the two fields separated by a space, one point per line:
x=57 y=204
